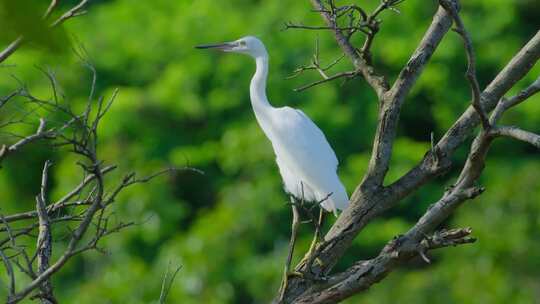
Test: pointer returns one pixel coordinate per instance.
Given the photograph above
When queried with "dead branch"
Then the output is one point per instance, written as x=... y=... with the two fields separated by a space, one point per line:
x=41 y=133
x=506 y=103
x=371 y=197
x=519 y=134
x=61 y=203
x=451 y=8
x=290 y=25
x=87 y=204
x=167 y=282
x=75 y=11
x=44 y=239
x=346 y=75
x=357 y=20
x=377 y=82
x=50 y=9
x=394 y=99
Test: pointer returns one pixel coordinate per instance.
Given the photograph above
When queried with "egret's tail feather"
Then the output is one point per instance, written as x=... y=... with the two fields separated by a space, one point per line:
x=335 y=202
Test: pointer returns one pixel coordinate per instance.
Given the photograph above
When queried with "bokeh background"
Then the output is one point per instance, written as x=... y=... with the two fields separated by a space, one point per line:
x=229 y=228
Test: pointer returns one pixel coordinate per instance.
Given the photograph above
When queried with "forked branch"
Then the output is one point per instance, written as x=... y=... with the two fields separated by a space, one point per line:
x=372 y=197
x=452 y=9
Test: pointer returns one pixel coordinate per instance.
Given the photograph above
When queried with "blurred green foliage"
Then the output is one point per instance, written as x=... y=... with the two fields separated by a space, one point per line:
x=229 y=228
x=25 y=18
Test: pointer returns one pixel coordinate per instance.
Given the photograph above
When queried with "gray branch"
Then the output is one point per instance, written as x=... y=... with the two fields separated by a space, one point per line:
x=437 y=160
x=377 y=82
x=414 y=243
x=507 y=103
x=44 y=239
x=10 y=49
x=393 y=100
x=41 y=133
x=9 y=272
x=371 y=198
x=519 y=134
x=61 y=203
x=166 y=283
x=452 y=9
x=363 y=274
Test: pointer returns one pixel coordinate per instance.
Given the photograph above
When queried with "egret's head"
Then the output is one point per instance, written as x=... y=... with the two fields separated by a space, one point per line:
x=246 y=45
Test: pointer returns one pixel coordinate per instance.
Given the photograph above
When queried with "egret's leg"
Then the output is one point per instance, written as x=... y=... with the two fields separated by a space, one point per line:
x=318 y=228
x=310 y=256
x=292 y=242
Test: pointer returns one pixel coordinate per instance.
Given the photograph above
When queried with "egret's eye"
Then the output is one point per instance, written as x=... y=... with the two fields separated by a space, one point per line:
x=242 y=43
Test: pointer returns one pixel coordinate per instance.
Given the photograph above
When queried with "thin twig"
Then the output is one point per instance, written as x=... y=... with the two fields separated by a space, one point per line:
x=507 y=103
x=77 y=10
x=10 y=49
x=451 y=7
x=348 y=75
x=166 y=283
x=40 y=133
x=10 y=273
x=290 y=25
x=50 y=9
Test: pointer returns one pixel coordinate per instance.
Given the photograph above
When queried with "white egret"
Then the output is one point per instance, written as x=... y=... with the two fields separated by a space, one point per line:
x=307 y=163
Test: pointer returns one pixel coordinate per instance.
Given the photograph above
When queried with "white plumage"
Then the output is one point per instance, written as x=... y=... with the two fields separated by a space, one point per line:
x=307 y=163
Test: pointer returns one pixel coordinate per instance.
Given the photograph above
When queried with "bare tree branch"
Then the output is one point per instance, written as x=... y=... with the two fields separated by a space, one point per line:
x=519 y=134
x=166 y=284
x=88 y=202
x=378 y=83
x=290 y=25
x=366 y=273
x=10 y=49
x=61 y=203
x=50 y=9
x=44 y=239
x=317 y=66
x=8 y=97
x=394 y=99
x=371 y=197
x=437 y=160
x=75 y=11
x=10 y=273
x=40 y=134
x=346 y=75
x=506 y=103
x=451 y=8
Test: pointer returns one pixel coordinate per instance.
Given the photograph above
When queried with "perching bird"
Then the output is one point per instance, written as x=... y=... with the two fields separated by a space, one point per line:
x=306 y=162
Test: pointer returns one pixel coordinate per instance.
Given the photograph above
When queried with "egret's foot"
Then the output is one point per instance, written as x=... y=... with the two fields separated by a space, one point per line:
x=319 y=262
x=311 y=256
x=285 y=281
x=315 y=278
x=295 y=274
x=307 y=275
x=306 y=266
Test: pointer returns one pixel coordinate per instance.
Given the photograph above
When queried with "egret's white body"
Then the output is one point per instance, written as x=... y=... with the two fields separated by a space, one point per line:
x=307 y=163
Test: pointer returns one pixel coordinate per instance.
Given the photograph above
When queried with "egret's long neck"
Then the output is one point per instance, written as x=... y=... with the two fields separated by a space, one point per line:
x=257 y=88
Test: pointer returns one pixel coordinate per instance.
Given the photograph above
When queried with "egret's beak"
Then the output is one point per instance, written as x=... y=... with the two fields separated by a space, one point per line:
x=227 y=46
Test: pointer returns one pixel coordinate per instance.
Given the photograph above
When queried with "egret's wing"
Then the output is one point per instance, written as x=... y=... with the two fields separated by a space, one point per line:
x=305 y=154
x=299 y=140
